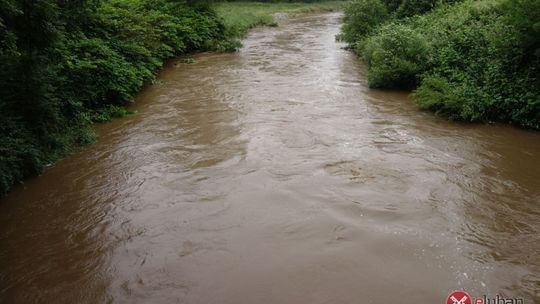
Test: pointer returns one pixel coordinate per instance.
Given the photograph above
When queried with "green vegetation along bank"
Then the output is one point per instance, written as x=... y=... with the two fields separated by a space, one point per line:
x=69 y=63
x=473 y=60
x=66 y=64
x=240 y=16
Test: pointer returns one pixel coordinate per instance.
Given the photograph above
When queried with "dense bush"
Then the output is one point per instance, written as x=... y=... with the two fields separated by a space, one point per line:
x=361 y=17
x=396 y=54
x=484 y=68
x=68 y=62
x=408 y=8
x=476 y=60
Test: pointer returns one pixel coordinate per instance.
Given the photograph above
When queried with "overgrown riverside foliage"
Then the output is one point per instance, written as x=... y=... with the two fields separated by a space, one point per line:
x=475 y=60
x=68 y=63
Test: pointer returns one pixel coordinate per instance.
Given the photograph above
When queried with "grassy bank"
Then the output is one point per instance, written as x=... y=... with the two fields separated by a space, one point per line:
x=473 y=60
x=240 y=17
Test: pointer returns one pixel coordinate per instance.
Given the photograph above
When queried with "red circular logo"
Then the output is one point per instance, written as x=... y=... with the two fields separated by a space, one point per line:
x=458 y=297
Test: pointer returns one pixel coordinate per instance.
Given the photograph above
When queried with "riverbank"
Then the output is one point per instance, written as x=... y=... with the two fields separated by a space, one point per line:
x=240 y=17
x=66 y=66
x=474 y=60
x=90 y=60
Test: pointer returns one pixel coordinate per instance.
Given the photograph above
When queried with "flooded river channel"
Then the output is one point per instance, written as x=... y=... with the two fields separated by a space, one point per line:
x=274 y=175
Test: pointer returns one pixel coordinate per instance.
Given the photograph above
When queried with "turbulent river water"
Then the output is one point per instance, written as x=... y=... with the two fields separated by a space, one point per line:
x=274 y=175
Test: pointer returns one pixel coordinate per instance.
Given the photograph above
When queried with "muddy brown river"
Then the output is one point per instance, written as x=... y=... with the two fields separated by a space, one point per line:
x=274 y=175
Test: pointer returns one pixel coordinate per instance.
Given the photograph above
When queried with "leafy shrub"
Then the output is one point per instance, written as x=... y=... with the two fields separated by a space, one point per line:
x=362 y=17
x=392 y=5
x=485 y=65
x=409 y=8
x=472 y=60
x=396 y=56
x=107 y=113
x=20 y=155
